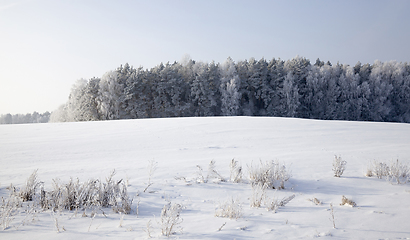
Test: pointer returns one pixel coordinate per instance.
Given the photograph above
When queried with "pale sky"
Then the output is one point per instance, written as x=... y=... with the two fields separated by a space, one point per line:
x=46 y=45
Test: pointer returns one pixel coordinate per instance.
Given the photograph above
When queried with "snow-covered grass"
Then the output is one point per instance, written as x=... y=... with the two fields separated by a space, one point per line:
x=192 y=175
x=339 y=166
x=271 y=175
x=395 y=172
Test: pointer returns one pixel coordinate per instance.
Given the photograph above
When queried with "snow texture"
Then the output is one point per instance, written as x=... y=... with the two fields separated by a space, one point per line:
x=91 y=150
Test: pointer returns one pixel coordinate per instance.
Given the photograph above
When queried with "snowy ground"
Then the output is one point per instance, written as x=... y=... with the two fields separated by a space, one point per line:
x=93 y=149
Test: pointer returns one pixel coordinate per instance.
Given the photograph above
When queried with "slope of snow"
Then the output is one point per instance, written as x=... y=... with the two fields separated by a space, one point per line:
x=93 y=149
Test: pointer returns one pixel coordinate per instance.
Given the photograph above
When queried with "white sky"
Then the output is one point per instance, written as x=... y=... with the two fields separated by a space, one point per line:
x=46 y=45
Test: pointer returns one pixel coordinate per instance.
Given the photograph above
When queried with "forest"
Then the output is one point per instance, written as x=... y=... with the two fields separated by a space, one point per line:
x=291 y=88
x=34 y=117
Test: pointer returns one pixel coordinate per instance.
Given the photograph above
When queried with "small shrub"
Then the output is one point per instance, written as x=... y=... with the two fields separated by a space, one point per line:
x=126 y=201
x=339 y=166
x=270 y=174
x=315 y=201
x=395 y=172
x=213 y=174
x=109 y=191
x=274 y=204
x=369 y=172
x=347 y=202
x=9 y=208
x=379 y=169
x=286 y=200
x=199 y=176
x=148 y=229
x=231 y=209
x=399 y=172
x=152 y=167
x=258 y=194
x=170 y=218
x=332 y=216
x=29 y=190
x=236 y=171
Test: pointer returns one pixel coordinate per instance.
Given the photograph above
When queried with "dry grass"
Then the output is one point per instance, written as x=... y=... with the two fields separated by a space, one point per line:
x=347 y=202
x=29 y=190
x=92 y=195
x=270 y=174
x=170 y=218
x=339 y=166
x=315 y=201
x=236 y=171
x=213 y=174
x=258 y=195
x=230 y=209
x=396 y=171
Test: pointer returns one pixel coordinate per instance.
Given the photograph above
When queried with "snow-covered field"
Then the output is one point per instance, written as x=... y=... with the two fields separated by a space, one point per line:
x=93 y=149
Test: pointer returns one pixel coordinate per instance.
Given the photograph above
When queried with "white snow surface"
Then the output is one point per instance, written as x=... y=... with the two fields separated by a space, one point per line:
x=91 y=150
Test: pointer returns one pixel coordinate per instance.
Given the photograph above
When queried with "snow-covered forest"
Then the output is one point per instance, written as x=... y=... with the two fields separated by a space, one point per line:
x=292 y=88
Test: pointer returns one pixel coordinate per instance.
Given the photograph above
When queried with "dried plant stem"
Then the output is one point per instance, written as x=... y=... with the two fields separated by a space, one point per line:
x=332 y=216
x=152 y=166
x=223 y=225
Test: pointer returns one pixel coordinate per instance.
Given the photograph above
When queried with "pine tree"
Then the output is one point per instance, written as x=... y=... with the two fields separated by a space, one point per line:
x=299 y=68
x=202 y=92
x=291 y=95
x=229 y=89
x=259 y=86
x=314 y=97
x=276 y=77
x=137 y=95
x=349 y=104
x=380 y=89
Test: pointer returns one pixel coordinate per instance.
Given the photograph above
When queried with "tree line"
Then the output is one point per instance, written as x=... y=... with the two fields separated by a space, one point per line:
x=291 y=88
x=34 y=117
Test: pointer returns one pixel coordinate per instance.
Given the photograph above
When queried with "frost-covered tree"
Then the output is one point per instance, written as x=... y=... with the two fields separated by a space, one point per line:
x=160 y=101
x=110 y=94
x=229 y=89
x=214 y=81
x=314 y=97
x=259 y=88
x=276 y=77
x=77 y=101
x=82 y=102
x=291 y=96
x=330 y=77
x=319 y=63
x=137 y=95
x=349 y=103
x=6 y=119
x=170 y=92
x=380 y=90
x=394 y=74
x=400 y=95
x=245 y=105
x=299 y=68
x=60 y=114
x=203 y=90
